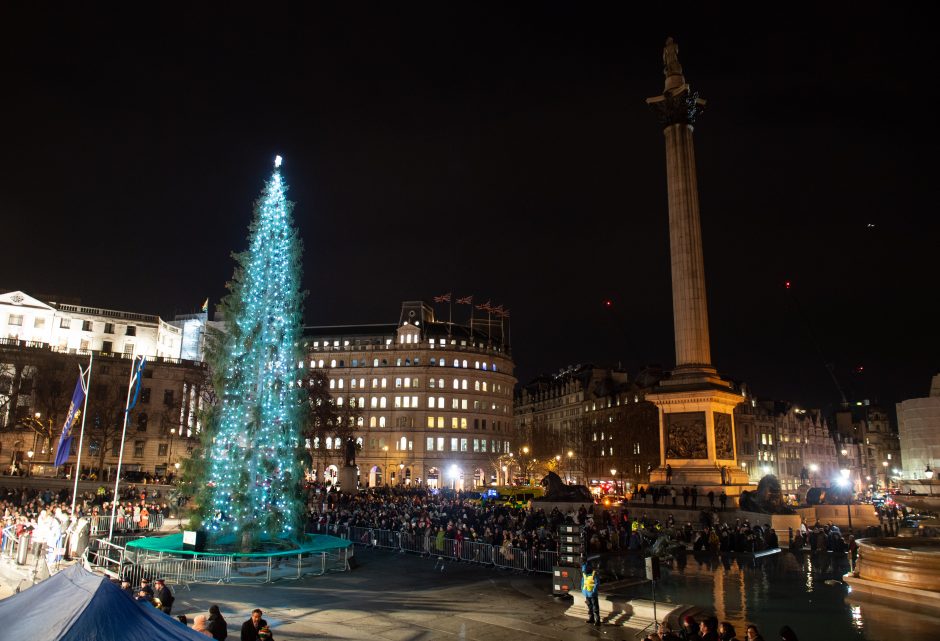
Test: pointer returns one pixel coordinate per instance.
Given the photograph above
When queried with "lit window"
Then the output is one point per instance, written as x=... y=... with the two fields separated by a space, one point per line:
x=430 y=442
x=375 y=402
x=339 y=401
x=484 y=365
x=430 y=422
x=476 y=385
x=431 y=404
x=332 y=384
x=454 y=444
x=440 y=383
x=432 y=383
x=381 y=421
x=371 y=421
x=463 y=445
x=465 y=363
x=382 y=402
x=440 y=422
x=414 y=401
x=333 y=363
x=384 y=383
x=463 y=384
x=320 y=363
x=440 y=443
x=454 y=423
x=463 y=422
x=484 y=386
x=463 y=403
x=440 y=402
x=456 y=362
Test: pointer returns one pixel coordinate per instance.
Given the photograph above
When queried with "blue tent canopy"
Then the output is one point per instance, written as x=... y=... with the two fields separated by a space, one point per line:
x=76 y=605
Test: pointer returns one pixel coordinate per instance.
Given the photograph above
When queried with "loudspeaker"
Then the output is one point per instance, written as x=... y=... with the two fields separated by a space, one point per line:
x=194 y=540
x=652 y=568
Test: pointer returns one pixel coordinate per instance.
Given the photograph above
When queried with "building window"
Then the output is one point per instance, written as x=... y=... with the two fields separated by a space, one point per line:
x=86 y=326
x=454 y=444
x=15 y=320
x=128 y=348
x=430 y=443
x=430 y=423
x=142 y=422
x=453 y=422
x=39 y=323
x=168 y=397
x=381 y=421
x=131 y=330
x=162 y=449
x=65 y=323
x=139 y=448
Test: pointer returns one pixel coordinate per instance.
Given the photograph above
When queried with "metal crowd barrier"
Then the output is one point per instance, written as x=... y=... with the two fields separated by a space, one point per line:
x=516 y=559
x=101 y=524
x=115 y=560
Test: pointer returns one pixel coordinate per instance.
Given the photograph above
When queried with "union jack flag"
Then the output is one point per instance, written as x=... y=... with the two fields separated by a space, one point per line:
x=466 y=300
x=444 y=298
x=485 y=306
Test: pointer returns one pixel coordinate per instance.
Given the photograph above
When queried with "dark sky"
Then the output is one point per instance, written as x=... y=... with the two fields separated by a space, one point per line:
x=504 y=152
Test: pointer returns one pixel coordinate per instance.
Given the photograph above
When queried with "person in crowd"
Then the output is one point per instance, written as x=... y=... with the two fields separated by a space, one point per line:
x=708 y=629
x=689 y=631
x=162 y=594
x=182 y=619
x=753 y=634
x=199 y=625
x=589 y=585
x=216 y=624
x=787 y=634
x=253 y=628
x=726 y=632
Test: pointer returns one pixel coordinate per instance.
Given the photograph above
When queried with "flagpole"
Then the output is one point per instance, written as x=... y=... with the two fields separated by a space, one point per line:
x=81 y=436
x=117 y=480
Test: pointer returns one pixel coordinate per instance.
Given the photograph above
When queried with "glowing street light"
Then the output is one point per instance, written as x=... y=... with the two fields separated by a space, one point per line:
x=844 y=483
x=454 y=473
x=929 y=474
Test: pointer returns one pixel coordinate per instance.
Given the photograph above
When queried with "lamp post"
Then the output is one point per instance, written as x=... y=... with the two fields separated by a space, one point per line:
x=929 y=474
x=844 y=482
x=525 y=450
x=401 y=473
x=813 y=468
x=613 y=476
x=884 y=464
x=454 y=472
x=568 y=471
x=29 y=465
x=385 y=469
x=505 y=475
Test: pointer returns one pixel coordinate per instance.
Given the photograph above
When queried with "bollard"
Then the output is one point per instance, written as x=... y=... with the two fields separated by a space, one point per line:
x=22 y=549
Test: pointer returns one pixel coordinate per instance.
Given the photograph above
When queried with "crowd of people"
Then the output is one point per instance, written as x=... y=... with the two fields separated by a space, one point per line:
x=211 y=625
x=46 y=516
x=710 y=629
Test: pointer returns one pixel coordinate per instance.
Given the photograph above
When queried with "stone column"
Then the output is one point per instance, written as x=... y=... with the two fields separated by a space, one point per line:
x=677 y=109
x=690 y=309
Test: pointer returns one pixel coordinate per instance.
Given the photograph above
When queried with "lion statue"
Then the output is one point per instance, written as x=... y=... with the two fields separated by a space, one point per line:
x=767 y=499
x=557 y=490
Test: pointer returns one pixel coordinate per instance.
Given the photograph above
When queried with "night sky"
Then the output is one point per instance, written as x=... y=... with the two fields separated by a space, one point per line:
x=502 y=152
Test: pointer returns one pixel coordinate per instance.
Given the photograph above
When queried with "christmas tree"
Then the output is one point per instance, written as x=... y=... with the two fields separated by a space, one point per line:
x=251 y=472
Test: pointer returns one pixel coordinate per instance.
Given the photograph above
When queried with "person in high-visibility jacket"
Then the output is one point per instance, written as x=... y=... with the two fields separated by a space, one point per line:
x=589 y=584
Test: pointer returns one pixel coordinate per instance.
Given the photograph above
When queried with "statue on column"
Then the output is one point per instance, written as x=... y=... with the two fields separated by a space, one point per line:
x=671 y=66
x=350 y=452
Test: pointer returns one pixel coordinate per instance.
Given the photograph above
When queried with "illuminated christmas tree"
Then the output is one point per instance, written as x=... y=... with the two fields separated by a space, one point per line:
x=251 y=472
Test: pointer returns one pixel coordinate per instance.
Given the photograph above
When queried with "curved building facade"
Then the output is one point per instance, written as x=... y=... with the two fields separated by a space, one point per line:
x=432 y=400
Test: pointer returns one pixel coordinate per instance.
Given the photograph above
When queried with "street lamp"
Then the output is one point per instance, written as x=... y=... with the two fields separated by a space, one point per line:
x=454 y=473
x=401 y=473
x=929 y=474
x=813 y=468
x=844 y=482
x=525 y=450
x=884 y=464
x=385 y=469
x=29 y=466
x=568 y=471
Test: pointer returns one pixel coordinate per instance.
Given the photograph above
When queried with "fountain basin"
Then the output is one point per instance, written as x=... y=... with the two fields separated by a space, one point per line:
x=904 y=569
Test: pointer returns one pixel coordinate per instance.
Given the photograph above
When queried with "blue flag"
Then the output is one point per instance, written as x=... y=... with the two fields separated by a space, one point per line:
x=138 y=375
x=75 y=411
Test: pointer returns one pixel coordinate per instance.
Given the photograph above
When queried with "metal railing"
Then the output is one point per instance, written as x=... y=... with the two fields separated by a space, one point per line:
x=100 y=524
x=114 y=559
x=504 y=557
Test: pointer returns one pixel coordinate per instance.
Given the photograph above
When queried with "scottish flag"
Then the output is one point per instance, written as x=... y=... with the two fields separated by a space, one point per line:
x=75 y=411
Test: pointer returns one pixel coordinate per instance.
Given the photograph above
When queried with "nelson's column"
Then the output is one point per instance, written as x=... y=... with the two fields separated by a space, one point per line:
x=696 y=421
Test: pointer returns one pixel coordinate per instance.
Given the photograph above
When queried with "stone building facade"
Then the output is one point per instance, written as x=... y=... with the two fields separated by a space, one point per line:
x=36 y=385
x=919 y=433
x=589 y=424
x=432 y=401
x=80 y=329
